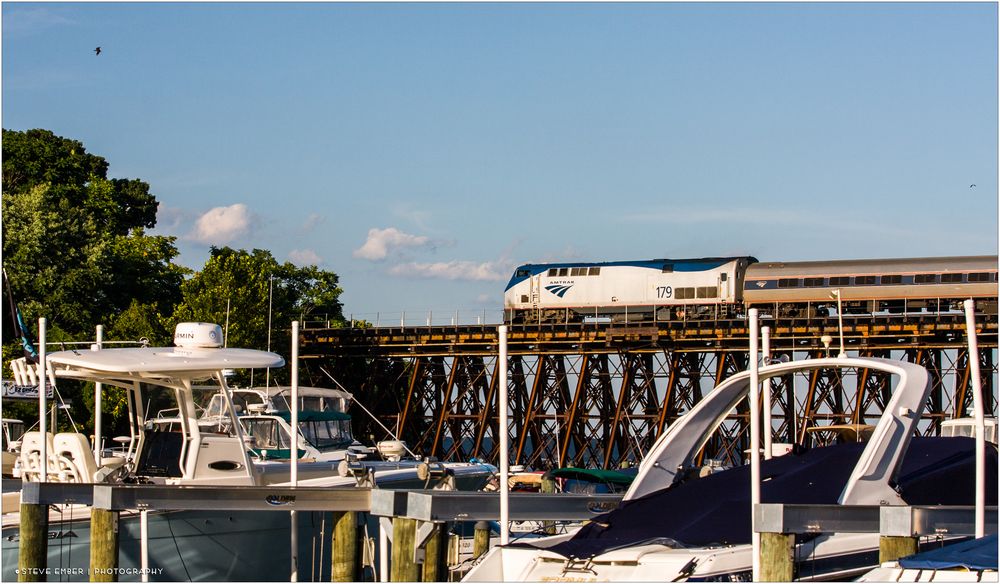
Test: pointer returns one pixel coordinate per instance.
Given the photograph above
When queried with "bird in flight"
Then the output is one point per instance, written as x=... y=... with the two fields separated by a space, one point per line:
x=970 y=186
x=97 y=51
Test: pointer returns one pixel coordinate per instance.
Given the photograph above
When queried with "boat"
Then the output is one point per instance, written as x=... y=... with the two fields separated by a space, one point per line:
x=682 y=521
x=188 y=448
x=11 y=435
x=973 y=560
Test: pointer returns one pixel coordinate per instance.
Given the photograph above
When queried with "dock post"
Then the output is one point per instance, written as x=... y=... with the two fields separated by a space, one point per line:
x=103 y=545
x=893 y=547
x=103 y=537
x=777 y=557
x=481 y=539
x=33 y=548
x=345 y=547
x=435 y=555
x=404 y=535
x=548 y=486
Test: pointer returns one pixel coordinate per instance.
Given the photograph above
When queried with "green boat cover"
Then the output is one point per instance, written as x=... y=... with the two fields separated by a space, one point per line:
x=594 y=475
x=314 y=416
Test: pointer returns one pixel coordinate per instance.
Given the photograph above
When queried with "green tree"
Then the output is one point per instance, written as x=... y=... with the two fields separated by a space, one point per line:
x=248 y=287
x=75 y=248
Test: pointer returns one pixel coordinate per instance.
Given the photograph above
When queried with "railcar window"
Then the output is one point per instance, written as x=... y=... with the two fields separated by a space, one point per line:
x=667 y=268
x=708 y=291
x=925 y=279
x=864 y=280
x=788 y=283
x=684 y=293
x=840 y=281
x=979 y=277
x=892 y=279
x=812 y=282
x=595 y=271
x=951 y=278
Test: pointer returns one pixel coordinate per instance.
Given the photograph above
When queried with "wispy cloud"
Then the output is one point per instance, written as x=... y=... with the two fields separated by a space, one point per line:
x=170 y=220
x=746 y=215
x=454 y=270
x=313 y=221
x=304 y=257
x=22 y=21
x=382 y=242
x=222 y=225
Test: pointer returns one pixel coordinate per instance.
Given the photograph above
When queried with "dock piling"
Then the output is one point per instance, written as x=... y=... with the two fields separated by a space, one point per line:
x=34 y=544
x=481 y=539
x=103 y=545
x=404 y=534
x=345 y=547
x=435 y=554
x=777 y=557
x=893 y=547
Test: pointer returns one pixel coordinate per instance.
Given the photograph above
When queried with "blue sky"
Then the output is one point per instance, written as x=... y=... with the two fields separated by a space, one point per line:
x=421 y=151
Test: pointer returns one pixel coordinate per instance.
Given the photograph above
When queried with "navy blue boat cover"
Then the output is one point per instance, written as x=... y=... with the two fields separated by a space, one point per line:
x=975 y=554
x=716 y=509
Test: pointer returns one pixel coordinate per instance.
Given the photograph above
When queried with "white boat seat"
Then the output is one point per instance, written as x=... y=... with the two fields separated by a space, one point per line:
x=76 y=460
x=31 y=456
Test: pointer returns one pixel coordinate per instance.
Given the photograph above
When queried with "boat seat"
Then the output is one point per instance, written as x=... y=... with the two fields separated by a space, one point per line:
x=31 y=456
x=76 y=460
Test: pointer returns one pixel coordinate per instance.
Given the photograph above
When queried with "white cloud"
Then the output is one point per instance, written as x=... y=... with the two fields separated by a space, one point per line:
x=222 y=225
x=304 y=257
x=170 y=219
x=453 y=270
x=381 y=242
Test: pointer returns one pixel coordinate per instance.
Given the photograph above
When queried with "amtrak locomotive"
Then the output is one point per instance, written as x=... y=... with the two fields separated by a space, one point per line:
x=665 y=289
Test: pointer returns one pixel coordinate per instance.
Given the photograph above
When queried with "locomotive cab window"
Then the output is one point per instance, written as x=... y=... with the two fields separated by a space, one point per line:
x=522 y=273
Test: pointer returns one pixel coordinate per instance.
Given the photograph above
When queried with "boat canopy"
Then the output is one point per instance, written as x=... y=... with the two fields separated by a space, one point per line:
x=595 y=475
x=975 y=554
x=314 y=416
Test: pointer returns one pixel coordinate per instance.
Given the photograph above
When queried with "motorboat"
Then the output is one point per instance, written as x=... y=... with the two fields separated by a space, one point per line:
x=11 y=435
x=188 y=448
x=973 y=560
x=681 y=521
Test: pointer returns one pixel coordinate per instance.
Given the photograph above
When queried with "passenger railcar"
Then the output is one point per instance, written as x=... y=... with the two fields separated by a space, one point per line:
x=625 y=291
x=666 y=289
x=868 y=286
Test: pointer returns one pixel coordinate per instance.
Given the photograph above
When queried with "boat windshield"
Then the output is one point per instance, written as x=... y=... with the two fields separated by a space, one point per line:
x=327 y=433
x=12 y=431
x=267 y=434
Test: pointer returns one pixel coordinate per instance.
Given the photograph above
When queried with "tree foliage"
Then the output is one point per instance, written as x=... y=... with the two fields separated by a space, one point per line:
x=76 y=251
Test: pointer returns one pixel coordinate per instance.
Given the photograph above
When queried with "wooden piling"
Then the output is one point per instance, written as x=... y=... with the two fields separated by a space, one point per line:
x=548 y=486
x=404 y=535
x=891 y=548
x=777 y=557
x=345 y=547
x=481 y=539
x=103 y=545
x=435 y=555
x=33 y=547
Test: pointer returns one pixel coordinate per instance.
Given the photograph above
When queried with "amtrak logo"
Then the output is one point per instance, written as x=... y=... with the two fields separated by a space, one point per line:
x=559 y=289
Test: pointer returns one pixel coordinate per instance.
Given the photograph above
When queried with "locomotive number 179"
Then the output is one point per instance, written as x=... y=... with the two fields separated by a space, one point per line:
x=664 y=291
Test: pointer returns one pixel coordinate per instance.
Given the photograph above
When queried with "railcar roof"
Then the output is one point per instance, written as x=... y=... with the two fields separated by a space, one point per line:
x=876 y=266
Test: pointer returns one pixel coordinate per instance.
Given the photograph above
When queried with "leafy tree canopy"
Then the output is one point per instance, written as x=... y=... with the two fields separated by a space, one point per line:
x=74 y=242
x=248 y=287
